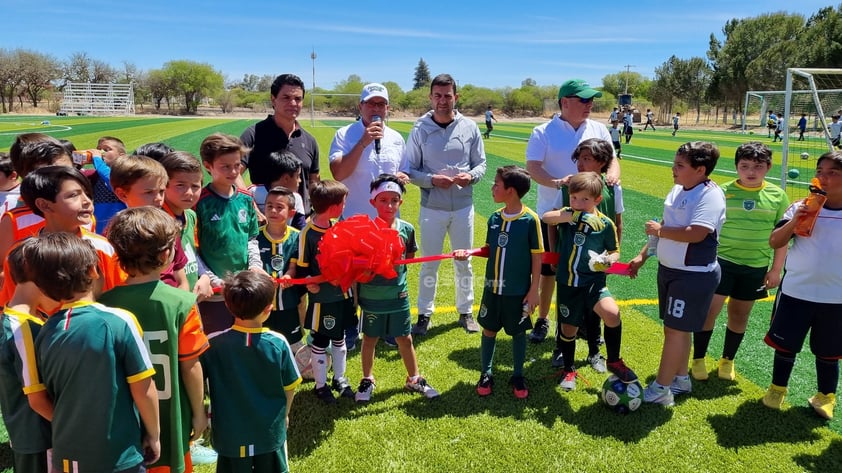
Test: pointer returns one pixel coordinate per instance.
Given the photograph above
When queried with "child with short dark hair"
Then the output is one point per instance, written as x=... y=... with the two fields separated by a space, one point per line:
x=106 y=202
x=688 y=271
x=252 y=376
x=512 y=274
x=753 y=207
x=284 y=170
x=82 y=368
x=329 y=310
x=587 y=246
x=155 y=150
x=29 y=433
x=227 y=225
x=809 y=297
x=144 y=239
x=9 y=184
x=385 y=302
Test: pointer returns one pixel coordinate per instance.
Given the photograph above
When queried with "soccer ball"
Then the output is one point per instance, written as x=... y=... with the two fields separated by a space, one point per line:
x=793 y=173
x=302 y=358
x=622 y=397
x=805 y=155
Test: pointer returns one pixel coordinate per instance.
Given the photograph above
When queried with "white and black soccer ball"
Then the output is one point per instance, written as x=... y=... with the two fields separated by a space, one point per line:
x=621 y=397
x=805 y=155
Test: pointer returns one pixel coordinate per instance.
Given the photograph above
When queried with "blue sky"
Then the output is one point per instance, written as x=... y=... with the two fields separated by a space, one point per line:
x=485 y=43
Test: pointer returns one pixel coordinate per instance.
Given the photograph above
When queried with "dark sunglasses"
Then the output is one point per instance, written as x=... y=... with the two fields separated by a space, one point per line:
x=581 y=100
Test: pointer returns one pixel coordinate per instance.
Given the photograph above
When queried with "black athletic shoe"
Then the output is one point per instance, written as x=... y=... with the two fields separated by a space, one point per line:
x=539 y=331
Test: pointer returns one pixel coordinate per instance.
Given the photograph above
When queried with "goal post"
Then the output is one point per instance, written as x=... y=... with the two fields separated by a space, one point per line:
x=87 y=98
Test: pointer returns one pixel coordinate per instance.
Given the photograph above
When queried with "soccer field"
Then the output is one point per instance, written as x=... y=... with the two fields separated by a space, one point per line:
x=721 y=426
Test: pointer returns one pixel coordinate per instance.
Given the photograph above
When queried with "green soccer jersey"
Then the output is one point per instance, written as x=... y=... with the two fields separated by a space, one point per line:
x=277 y=256
x=308 y=265
x=384 y=296
x=249 y=371
x=750 y=215
x=172 y=333
x=512 y=240
x=224 y=227
x=188 y=242
x=28 y=431
x=575 y=243
x=88 y=354
x=608 y=204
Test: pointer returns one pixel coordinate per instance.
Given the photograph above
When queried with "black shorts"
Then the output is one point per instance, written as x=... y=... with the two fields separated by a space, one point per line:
x=489 y=125
x=546 y=269
x=741 y=282
x=792 y=318
x=276 y=461
x=503 y=312
x=684 y=297
x=286 y=322
x=331 y=318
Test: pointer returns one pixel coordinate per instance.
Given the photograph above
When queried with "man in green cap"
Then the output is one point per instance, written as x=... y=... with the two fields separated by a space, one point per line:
x=548 y=160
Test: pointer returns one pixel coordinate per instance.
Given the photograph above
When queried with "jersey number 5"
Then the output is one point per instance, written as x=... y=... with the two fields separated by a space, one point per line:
x=159 y=337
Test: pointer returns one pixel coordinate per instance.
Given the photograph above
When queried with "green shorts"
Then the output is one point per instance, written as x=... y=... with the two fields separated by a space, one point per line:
x=30 y=462
x=331 y=318
x=272 y=462
x=392 y=324
x=503 y=312
x=573 y=303
x=285 y=322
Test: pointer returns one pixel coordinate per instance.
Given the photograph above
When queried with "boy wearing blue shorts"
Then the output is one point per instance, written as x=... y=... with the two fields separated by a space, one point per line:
x=385 y=302
x=513 y=245
x=688 y=273
x=809 y=298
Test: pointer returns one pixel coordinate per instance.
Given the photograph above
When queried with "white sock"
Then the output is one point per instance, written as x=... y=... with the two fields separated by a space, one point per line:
x=318 y=361
x=340 y=354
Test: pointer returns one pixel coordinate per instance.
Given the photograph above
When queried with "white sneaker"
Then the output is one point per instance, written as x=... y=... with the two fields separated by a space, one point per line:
x=681 y=385
x=597 y=363
x=363 y=393
x=202 y=455
x=662 y=395
x=419 y=385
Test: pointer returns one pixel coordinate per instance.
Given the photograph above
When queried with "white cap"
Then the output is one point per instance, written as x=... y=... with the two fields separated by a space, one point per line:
x=386 y=186
x=374 y=90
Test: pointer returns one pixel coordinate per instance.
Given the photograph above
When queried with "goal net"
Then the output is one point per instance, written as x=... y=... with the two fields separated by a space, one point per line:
x=85 y=98
x=813 y=95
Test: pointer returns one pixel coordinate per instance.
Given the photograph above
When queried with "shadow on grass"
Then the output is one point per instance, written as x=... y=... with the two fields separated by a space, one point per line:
x=829 y=460
x=755 y=424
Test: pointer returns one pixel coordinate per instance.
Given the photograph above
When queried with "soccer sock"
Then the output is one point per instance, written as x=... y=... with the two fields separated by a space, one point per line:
x=782 y=368
x=318 y=361
x=340 y=354
x=518 y=353
x=732 y=344
x=613 y=338
x=486 y=353
x=827 y=375
x=592 y=321
x=568 y=351
x=701 y=340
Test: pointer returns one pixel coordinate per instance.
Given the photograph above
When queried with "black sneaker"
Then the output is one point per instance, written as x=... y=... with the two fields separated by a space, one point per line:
x=364 y=391
x=539 y=331
x=468 y=323
x=325 y=394
x=557 y=360
x=343 y=387
x=485 y=384
x=422 y=326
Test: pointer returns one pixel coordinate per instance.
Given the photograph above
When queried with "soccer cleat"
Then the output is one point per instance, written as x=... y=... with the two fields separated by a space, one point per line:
x=726 y=370
x=419 y=385
x=568 y=380
x=325 y=394
x=422 y=326
x=343 y=387
x=824 y=404
x=352 y=334
x=619 y=369
x=681 y=385
x=597 y=362
x=364 y=391
x=774 y=397
x=699 y=370
x=660 y=395
x=486 y=382
x=557 y=360
x=468 y=323
x=539 y=331
x=202 y=455
x=519 y=387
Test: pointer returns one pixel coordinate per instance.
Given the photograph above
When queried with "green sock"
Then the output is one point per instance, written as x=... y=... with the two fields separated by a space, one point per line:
x=518 y=353
x=486 y=351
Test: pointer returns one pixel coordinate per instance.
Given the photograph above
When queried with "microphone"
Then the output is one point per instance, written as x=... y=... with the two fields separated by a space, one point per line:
x=376 y=119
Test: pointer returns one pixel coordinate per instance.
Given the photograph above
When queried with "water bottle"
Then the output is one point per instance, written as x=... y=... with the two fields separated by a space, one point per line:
x=652 y=244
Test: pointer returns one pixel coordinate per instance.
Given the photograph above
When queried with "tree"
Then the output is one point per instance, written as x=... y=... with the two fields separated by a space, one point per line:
x=621 y=82
x=821 y=42
x=193 y=81
x=82 y=68
x=11 y=79
x=37 y=71
x=422 y=77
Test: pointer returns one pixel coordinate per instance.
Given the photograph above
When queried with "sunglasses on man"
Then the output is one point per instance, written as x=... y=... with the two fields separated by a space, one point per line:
x=581 y=100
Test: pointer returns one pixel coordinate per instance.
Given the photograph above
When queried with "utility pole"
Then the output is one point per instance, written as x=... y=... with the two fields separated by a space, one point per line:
x=312 y=99
x=628 y=67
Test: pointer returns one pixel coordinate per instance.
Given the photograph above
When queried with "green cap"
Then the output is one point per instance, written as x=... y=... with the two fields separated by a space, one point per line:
x=579 y=88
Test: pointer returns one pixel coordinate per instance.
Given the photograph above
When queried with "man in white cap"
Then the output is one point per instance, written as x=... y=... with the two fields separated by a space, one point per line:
x=355 y=159
x=548 y=160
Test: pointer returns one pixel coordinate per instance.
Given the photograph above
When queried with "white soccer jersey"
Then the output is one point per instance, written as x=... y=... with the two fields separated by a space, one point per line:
x=703 y=205
x=812 y=264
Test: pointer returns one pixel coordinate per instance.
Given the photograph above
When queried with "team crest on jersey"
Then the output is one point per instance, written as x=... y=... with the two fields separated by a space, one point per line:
x=563 y=311
x=483 y=311
x=502 y=240
x=748 y=204
x=241 y=216
x=579 y=239
x=277 y=262
x=330 y=322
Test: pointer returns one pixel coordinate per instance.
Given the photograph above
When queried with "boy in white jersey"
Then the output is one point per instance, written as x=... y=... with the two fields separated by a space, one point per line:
x=809 y=297
x=688 y=273
x=753 y=207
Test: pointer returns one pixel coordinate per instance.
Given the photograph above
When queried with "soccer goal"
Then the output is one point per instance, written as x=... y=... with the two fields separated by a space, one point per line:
x=85 y=98
x=812 y=94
